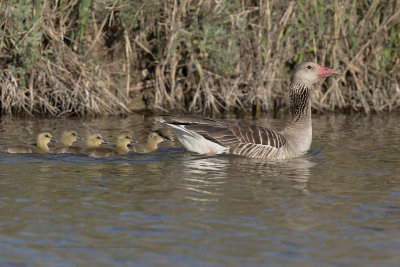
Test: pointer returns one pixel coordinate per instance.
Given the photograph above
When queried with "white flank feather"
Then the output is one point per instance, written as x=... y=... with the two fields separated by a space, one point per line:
x=193 y=141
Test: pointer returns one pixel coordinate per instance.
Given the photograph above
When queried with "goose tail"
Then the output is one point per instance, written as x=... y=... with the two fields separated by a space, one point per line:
x=193 y=141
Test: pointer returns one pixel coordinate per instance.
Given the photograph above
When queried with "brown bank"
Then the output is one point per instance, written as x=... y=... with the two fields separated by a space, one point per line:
x=77 y=58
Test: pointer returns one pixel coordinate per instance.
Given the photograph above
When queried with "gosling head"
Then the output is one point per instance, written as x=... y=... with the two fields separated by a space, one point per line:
x=69 y=137
x=124 y=140
x=94 y=140
x=157 y=137
x=44 y=138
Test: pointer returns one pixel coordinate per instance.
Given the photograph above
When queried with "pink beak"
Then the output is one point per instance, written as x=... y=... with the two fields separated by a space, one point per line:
x=325 y=72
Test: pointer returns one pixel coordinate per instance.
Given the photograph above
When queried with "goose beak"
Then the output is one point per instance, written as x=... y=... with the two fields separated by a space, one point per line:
x=104 y=141
x=325 y=72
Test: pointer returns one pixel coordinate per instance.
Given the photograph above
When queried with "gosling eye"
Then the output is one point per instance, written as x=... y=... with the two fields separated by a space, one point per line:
x=309 y=67
x=73 y=134
x=98 y=137
x=47 y=136
x=127 y=137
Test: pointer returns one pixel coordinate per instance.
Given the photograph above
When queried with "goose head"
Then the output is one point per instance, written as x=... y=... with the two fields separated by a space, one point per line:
x=309 y=73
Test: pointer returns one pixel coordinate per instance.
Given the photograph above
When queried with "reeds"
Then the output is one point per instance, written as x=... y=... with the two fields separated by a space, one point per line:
x=43 y=71
x=82 y=57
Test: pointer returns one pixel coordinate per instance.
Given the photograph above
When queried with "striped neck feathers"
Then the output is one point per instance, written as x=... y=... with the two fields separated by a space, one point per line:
x=299 y=101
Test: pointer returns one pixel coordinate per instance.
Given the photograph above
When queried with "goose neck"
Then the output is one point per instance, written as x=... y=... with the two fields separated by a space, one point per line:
x=299 y=102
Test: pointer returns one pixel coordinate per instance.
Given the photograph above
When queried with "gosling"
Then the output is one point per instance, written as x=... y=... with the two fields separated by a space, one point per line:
x=41 y=145
x=155 y=138
x=93 y=142
x=67 y=139
x=121 y=148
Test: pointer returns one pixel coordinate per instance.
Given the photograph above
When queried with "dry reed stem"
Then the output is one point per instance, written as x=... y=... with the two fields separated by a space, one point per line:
x=202 y=56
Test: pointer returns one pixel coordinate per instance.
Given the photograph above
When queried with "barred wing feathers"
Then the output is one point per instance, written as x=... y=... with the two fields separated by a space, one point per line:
x=240 y=138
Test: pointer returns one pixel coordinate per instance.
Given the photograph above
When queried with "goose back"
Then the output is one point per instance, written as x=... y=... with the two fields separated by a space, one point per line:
x=235 y=137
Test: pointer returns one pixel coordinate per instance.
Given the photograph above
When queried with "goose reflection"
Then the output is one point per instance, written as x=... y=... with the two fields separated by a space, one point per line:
x=210 y=176
x=204 y=177
x=266 y=176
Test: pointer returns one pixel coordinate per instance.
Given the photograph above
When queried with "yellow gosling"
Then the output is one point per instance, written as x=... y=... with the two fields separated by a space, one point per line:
x=151 y=145
x=67 y=139
x=121 y=148
x=122 y=144
x=95 y=140
x=92 y=144
x=41 y=145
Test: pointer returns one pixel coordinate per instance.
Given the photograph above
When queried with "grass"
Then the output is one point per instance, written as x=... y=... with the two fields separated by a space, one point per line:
x=80 y=57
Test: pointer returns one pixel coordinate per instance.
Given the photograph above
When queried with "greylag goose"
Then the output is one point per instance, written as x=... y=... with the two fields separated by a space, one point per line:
x=210 y=136
x=154 y=138
x=41 y=145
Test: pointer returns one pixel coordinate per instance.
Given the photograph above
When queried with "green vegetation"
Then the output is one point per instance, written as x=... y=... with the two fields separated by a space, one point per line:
x=80 y=57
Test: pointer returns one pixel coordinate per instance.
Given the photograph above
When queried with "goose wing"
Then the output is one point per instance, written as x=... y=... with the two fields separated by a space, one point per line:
x=240 y=138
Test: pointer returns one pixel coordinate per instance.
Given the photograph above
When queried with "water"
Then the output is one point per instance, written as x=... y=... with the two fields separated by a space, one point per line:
x=338 y=206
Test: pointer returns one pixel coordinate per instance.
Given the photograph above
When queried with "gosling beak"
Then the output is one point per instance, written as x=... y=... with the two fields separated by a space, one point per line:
x=132 y=141
x=104 y=141
x=79 y=137
x=53 y=140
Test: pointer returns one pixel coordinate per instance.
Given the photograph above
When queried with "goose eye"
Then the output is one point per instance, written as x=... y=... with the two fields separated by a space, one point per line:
x=309 y=67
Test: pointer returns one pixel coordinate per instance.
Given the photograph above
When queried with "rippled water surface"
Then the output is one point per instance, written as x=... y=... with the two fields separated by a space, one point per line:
x=338 y=206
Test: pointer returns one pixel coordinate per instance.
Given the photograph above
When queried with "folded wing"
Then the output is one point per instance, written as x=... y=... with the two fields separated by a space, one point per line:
x=240 y=138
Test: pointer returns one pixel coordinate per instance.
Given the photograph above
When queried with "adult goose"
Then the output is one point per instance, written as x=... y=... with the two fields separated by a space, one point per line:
x=210 y=136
